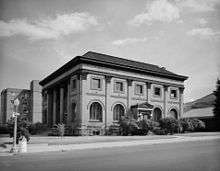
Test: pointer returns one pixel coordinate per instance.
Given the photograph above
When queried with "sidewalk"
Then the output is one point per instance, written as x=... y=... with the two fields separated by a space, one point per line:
x=49 y=144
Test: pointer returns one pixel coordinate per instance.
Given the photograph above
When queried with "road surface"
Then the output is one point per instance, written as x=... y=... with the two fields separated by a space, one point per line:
x=185 y=156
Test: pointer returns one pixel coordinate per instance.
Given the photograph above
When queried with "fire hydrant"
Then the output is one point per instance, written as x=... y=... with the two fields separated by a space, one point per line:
x=23 y=145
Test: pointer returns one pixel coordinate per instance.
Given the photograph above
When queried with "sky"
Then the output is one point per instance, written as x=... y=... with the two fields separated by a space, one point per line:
x=38 y=37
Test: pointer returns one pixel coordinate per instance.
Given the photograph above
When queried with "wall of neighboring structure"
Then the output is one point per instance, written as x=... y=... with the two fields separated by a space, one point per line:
x=36 y=100
x=30 y=103
x=7 y=96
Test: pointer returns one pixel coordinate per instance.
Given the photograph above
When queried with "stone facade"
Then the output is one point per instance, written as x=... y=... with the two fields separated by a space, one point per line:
x=89 y=97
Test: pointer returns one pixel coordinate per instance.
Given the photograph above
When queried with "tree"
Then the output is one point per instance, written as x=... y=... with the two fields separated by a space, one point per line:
x=22 y=128
x=216 y=109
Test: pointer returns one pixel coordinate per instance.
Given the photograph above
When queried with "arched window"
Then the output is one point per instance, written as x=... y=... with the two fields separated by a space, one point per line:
x=118 y=111
x=73 y=111
x=173 y=113
x=157 y=114
x=96 y=111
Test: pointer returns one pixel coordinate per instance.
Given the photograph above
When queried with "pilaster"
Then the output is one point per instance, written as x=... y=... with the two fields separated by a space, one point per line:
x=148 y=85
x=107 y=97
x=181 y=90
x=165 y=100
x=129 y=93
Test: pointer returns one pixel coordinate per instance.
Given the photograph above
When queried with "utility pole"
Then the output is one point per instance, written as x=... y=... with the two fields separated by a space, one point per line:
x=15 y=114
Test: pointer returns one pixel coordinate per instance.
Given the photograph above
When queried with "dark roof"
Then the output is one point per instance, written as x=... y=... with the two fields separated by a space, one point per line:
x=114 y=62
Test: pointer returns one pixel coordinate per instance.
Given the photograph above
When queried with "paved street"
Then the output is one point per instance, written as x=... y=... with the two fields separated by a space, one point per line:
x=197 y=155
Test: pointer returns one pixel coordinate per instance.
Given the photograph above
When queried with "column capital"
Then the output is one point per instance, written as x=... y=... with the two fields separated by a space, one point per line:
x=181 y=89
x=108 y=78
x=129 y=82
x=83 y=75
x=148 y=85
x=165 y=87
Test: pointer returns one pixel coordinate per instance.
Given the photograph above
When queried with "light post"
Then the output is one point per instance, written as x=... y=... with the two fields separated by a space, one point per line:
x=15 y=114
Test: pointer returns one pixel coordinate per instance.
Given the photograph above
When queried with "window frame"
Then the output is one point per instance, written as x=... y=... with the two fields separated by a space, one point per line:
x=74 y=88
x=92 y=85
x=115 y=114
x=136 y=89
x=172 y=89
x=123 y=86
x=154 y=89
x=95 y=119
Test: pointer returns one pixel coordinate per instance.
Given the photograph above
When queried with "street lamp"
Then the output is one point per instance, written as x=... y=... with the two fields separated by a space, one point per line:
x=16 y=102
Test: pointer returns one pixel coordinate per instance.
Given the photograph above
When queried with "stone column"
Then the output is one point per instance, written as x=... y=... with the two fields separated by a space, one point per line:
x=49 y=108
x=148 y=91
x=68 y=104
x=61 y=103
x=181 y=90
x=129 y=94
x=165 y=96
x=54 y=105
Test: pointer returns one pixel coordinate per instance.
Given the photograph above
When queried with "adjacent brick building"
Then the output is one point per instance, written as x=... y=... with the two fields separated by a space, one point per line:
x=94 y=90
x=30 y=103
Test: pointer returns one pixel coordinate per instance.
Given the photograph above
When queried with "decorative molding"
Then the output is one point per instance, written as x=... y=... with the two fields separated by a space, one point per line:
x=83 y=75
x=153 y=100
x=181 y=89
x=121 y=97
x=172 y=102
x=118 y=102
x=139 y=98
x=148 y=85
x=165 y=87
x=95 y=94
x=132 y=78
x=129 y=82
x=108 y=78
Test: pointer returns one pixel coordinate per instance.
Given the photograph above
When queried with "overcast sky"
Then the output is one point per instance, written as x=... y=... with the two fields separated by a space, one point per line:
x=39 y=36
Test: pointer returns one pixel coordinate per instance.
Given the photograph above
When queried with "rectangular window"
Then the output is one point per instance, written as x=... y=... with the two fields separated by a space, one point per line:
x=96 y=83
x=139 y=89
x=173 y=94
x=119 y=86
x=157 y=91
x=74 y=84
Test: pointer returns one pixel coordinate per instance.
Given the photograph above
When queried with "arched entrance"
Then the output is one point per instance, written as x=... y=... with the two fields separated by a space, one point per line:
x=173 y=113
x=96 y=111
x=118 y=111
x=157 y=114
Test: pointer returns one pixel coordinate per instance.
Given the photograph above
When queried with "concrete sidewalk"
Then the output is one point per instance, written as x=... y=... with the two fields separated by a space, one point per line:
x=105 y=142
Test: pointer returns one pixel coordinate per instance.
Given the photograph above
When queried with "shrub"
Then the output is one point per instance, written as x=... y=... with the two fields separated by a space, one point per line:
x=113 y=130
x=152 y=124
x=61 y=129
x=159 y=131
x=198 y=125
x=143 y=127
x=4 y=129
x=22 y=128
x=169 y=124
x=129 y=126
x=37 y=128
x=189 y=124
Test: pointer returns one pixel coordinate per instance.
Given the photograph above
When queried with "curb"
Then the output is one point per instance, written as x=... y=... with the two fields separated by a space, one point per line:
x=37 y=148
